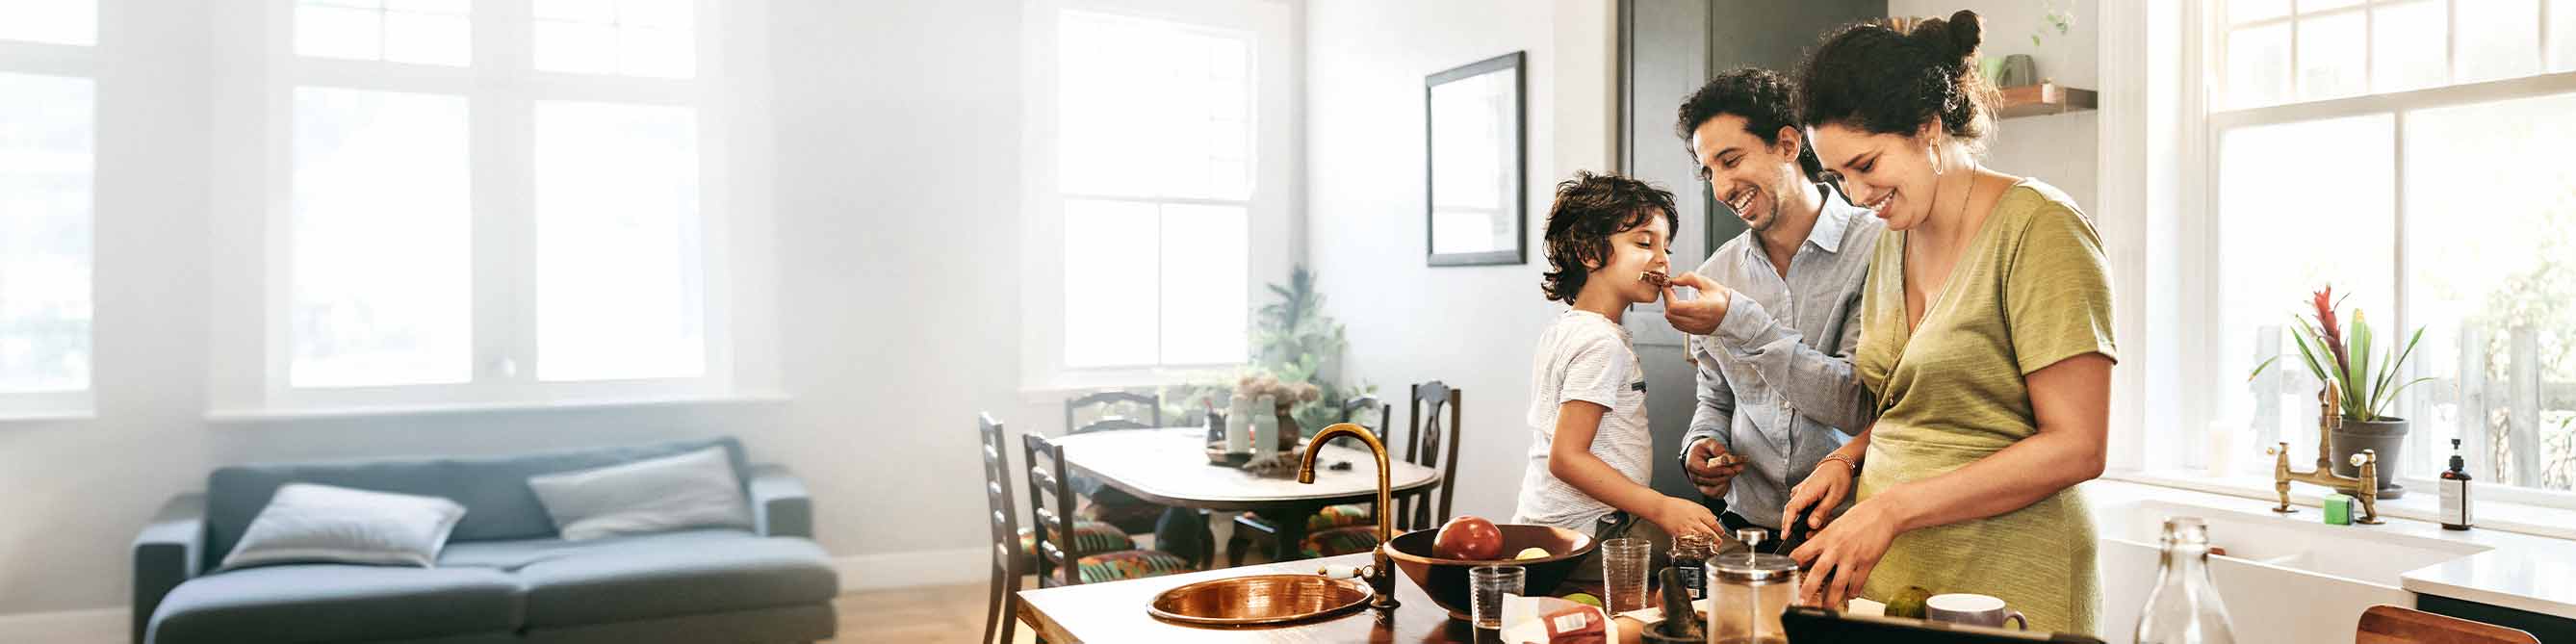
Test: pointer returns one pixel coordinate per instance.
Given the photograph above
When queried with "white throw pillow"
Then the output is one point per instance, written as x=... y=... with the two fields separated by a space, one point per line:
x=309 y=523
x=693 y=490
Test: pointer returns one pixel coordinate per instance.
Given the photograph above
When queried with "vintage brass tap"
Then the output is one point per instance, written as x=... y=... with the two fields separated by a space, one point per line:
x=2364 y=487
x=1381 y=573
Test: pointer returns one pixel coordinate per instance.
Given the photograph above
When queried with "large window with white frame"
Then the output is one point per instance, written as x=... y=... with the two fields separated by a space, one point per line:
x=47 y=140
x=2407 y=153
x=492 y=203
x=1159 y=209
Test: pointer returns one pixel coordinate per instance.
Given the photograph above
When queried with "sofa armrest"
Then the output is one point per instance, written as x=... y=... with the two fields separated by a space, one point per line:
x=779 y=504
x=167 y=552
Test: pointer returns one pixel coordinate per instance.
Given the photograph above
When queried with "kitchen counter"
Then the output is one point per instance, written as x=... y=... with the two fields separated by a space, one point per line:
x=2509 y=569
x=1115 y=612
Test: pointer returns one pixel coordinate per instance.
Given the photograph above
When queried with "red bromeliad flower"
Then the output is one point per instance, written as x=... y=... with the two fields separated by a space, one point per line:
x=2328 y=327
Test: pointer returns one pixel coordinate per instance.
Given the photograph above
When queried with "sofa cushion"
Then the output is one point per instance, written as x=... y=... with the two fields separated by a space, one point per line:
x=310 y=523
x=494 y=490
x=294 y=604
x=612 y=579
x=694 y=490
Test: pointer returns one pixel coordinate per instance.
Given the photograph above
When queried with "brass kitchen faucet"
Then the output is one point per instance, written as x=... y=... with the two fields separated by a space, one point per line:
x=2364 y=487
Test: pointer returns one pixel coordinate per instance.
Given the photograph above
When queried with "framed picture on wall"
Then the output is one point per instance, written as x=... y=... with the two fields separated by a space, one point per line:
x=1477 y=211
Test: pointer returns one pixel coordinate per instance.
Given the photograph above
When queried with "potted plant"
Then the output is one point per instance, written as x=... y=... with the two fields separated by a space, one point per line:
x=1296 y=352
x=2367 y=386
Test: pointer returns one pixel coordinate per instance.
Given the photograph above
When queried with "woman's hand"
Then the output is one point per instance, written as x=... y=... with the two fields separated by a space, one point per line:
x=1679 y=517
x=1838 y=560
x=1813 y=500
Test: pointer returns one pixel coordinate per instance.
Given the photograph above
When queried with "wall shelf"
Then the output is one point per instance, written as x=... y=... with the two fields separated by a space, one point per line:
x=2045 y=98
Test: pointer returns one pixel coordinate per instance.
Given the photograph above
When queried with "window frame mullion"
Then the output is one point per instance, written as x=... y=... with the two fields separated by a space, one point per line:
x=503 y=125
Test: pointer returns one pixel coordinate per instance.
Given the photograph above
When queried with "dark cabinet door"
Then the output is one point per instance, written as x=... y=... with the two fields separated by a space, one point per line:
x=1667 y=48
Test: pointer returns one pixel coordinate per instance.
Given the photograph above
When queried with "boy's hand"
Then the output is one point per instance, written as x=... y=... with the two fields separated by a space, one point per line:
x=1700 y=316
x=1711 y=467
x=1678 y=517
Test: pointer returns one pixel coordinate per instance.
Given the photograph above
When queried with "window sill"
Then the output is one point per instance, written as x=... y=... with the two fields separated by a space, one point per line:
x=1073 y=383
x=264 y=415
x=2418 y=504
x=46 y=417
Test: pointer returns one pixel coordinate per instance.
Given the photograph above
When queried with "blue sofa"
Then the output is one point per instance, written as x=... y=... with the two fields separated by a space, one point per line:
x=504 y=575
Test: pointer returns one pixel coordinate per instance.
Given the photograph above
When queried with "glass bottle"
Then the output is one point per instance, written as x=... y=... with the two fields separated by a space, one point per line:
x=2185 y=607
x=1690 y=556
x=2455 y=492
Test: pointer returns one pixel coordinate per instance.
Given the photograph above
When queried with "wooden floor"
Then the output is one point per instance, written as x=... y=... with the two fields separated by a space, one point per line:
x=917 y=615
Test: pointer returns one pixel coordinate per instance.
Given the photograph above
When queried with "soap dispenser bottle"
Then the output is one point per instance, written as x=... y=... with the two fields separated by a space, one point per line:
x=2455 y=492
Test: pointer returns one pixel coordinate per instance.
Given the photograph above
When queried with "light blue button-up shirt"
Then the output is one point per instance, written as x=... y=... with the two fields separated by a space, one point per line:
x=1765 y=391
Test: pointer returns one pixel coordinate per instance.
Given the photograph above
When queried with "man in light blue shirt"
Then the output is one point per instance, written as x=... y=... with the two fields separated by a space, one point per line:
x=1778 y=312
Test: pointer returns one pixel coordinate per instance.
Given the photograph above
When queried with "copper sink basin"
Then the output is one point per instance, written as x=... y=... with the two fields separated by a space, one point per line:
x=1259 y=600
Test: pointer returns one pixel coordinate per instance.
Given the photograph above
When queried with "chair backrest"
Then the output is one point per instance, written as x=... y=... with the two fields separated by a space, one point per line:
x=1385 y=413
x=1005 y=519
x=2392 y=625
x=1434 y=444
x=1108 y=400
x=1050 y=511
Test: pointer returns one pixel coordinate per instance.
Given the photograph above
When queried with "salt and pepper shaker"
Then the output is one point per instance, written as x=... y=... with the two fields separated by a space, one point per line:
x=1265 y=427
x=1238 y=431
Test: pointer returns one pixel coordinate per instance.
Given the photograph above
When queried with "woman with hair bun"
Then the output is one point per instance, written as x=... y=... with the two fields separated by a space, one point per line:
x=1986 y=337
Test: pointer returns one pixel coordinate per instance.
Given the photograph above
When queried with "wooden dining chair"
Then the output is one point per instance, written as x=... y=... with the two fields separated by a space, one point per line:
x=1050 y=499
x=1434 y=444
x=1001 y=606
x=1252 y=530
x=2386 y=624
x=1108 y=416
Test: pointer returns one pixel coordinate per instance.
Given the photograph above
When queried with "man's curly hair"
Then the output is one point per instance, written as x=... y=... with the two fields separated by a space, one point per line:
x=1761 y=97
x=1589 y=209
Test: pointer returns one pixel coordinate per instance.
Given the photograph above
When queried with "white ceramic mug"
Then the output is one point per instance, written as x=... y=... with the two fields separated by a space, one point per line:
x=1974 y=609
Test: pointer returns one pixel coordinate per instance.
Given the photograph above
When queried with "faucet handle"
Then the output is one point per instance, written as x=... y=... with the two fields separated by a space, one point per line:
x=2364 y=457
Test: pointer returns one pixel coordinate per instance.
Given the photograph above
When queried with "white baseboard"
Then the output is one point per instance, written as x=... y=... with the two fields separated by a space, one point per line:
x=93 y=626
x=917 y=568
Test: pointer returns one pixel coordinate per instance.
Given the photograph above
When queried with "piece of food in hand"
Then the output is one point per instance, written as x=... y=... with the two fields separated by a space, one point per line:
x=1468 y=537
x=1531 y=553
x=1723 y=460
x=1657 y=278
x=1909 y=603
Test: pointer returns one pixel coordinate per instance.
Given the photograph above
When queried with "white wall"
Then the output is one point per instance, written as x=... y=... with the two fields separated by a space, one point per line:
x=1472 y=327
x=893 y=216
x=2060 y=148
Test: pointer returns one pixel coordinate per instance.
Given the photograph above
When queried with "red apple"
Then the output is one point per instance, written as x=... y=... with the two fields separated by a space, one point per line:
x=1468 y=537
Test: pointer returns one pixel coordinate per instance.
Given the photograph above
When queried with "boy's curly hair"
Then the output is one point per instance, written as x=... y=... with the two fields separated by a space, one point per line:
x=1589 y=209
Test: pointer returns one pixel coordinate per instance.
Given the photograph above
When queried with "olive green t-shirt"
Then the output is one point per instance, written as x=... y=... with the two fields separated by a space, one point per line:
x=2030 y=289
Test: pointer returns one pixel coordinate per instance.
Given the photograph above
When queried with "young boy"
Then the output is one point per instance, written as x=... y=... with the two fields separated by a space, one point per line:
x=1608 y=244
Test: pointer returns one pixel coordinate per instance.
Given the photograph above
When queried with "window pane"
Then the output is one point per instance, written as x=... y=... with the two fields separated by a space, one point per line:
x=1204 y=281
x=618 y=278
x=440 y=7
x=45 y=178
x=2562 y=35
x=2489 y=247
x=427 y=39
x=2331 y=54
x=62 y=22
x=2408 y=46
x=669 y=14
x=592 y=11
x=2507 y=43
x=1146 y=107
x=2301 y=206
x=581 y=48
x=2313 y=6
x=333 y=32
x=1111 y=254
x=2258 y=66
x=653 y=51
x=380 y=240
x=2239 y=11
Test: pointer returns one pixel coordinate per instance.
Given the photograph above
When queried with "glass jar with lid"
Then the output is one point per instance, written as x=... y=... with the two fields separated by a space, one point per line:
x=1750 y=590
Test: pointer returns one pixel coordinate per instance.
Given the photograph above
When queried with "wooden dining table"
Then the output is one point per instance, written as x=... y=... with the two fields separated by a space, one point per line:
x=1169 y=466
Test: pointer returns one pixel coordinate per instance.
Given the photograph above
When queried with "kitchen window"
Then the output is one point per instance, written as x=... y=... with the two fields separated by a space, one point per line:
x=485 y=203
x=2407 y=153
x=48 y=134
x=1156 y=184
